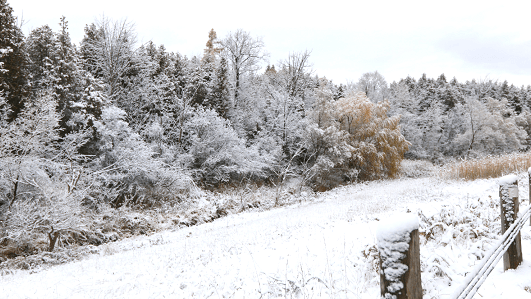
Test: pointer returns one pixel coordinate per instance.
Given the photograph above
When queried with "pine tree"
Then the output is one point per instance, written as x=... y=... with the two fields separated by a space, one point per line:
x=220 y=91
x=41 y=50
x=67 y=70
x=197 y=87
x=179 y=72
x=13 y=61
x=90 y=59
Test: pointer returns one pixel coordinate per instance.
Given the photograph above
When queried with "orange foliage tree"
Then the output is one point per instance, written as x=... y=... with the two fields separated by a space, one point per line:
x=378 y=146
x=352 y=138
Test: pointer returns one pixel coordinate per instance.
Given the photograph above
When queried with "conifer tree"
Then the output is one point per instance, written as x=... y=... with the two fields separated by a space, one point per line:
x=13 y=61
x=220 y=91
x=68 y=74
x=40 y=46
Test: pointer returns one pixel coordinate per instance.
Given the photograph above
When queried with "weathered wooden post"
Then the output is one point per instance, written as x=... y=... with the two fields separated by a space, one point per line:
x=509 y=212
x=399 y=249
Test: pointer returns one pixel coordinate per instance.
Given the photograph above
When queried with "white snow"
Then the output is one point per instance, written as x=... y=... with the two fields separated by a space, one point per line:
x=325 y=248
x=508 y=179
x=397 y=224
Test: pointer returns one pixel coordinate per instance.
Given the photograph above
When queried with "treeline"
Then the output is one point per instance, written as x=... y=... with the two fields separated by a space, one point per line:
x=119 y=122
x=447 y=120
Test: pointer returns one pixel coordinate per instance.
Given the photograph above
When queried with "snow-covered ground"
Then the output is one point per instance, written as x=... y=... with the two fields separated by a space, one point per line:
x=322 y=248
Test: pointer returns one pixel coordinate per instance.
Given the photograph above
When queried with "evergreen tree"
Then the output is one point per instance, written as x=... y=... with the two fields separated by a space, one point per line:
x=441 y=81
x=41 y=50
x=339 y=92
x=197 y=87
x=179 y=72
x=90 y=60
x=13 y=61
x=67 y=72
x=220 y=92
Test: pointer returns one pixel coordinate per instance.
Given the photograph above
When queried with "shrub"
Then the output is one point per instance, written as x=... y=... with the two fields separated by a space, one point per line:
x=352 y=138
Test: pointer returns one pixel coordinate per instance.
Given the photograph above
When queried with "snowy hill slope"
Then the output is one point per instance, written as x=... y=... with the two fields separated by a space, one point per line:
x=319 y=249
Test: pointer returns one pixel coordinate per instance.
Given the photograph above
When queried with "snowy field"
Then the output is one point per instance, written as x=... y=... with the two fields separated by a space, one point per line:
x=321 y=248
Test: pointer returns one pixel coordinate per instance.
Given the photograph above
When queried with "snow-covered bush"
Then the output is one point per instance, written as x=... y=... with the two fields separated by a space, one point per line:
x=353 y=138
x=128 y=167
x=470 y=229
x=417 y=168
x=39 y=177
x=219 y=154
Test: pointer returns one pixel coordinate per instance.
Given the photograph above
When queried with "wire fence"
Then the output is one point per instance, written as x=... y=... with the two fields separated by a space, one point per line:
x=403 y=252
x=478 y=276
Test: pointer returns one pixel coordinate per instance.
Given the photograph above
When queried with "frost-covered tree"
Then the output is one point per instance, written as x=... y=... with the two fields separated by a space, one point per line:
x=244 y=54
x=13 y=61
x=327 y=146
x=378 y=144
x=374 y=86
x=109 y=52
x=68 y=72
x=39 y=175
x=492 y=129
x=220 y=95
x=41 y=50
x=294 y=75
x=287 y=93
x=218 y=153
x=133 y=170
x=55 y=66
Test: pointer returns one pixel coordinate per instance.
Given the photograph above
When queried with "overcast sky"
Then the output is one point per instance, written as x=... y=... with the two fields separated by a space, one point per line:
x=462 y=39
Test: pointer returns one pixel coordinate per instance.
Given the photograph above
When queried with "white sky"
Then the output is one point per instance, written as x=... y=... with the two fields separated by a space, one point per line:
x=465 y=39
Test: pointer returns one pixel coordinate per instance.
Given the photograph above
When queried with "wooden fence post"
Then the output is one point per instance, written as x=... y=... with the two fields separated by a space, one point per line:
x=509 y=212
x=399 y=250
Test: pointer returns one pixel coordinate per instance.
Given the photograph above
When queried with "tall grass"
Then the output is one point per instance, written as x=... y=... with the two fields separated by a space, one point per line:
x=487 y=167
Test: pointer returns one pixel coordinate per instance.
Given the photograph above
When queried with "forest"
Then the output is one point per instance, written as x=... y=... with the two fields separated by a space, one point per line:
x=114 y=123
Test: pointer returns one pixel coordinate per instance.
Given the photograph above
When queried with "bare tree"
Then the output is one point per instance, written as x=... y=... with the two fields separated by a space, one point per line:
x=374 y=86
x=244 y=54
x=295 y=73
x=108 y=48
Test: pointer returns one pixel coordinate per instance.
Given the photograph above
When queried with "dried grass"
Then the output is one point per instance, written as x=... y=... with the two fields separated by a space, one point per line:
x=487 y=167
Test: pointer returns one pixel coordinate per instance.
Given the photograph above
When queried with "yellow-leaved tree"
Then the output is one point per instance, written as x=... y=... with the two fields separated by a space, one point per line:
x=352 y=138
x=378 y=146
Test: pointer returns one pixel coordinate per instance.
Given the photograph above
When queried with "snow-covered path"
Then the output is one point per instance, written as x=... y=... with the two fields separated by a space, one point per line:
x=321 y=249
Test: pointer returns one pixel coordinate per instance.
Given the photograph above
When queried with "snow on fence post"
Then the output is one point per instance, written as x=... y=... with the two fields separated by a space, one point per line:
x=509 y=212
x=399 y=250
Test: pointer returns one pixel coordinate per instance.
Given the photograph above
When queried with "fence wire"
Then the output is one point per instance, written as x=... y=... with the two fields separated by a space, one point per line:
x=476 y=278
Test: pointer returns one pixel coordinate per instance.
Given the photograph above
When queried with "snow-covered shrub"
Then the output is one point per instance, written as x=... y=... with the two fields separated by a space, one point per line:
x=128 y=167
x=470 y=229
x=39 y=178
x=219 y=154
x=416 y=168
x=352 y=138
